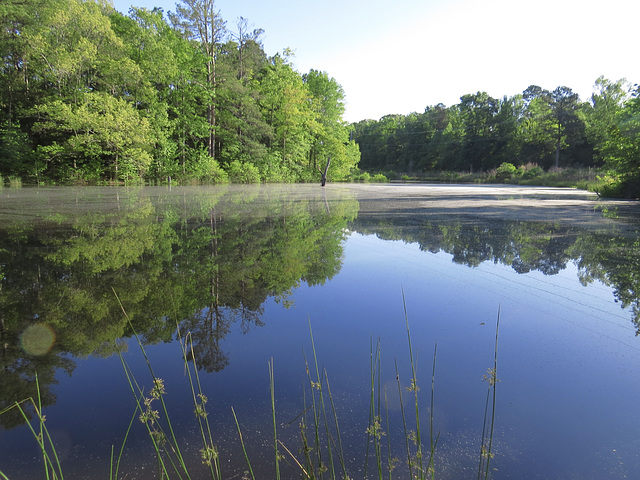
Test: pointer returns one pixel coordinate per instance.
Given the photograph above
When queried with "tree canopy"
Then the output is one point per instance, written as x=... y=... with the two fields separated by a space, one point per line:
x=91 y=95
x=535 y=129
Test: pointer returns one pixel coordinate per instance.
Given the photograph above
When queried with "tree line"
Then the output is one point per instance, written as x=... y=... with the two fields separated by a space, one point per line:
x=91 y=95
x=538 y=129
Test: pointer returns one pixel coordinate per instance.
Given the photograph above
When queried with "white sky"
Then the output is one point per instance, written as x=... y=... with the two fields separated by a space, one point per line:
x=402 y=57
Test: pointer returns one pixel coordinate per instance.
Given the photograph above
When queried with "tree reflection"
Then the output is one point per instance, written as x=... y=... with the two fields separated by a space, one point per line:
x=614 y=261
x=612 y=257
x=202 y=262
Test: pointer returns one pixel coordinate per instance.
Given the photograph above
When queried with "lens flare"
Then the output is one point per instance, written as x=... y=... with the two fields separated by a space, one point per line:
x=37 y=339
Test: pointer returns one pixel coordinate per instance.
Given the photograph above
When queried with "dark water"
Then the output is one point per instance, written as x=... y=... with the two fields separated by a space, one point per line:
x=245 y=271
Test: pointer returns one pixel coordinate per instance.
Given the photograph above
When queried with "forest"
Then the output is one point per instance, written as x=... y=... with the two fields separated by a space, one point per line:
x=523 y=135
x=92 y=96
x=89 y=95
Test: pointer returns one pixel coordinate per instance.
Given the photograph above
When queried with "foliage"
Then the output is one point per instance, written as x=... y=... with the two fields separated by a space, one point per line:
x=505 y=171
x=379 y=178
x=243 y=172
x=621 y=150
x=549 y=129
x=91 y=95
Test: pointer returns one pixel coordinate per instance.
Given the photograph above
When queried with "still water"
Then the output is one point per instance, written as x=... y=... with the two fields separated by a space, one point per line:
x=248 y=272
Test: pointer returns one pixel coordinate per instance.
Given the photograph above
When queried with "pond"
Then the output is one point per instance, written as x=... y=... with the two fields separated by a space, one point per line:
x=510 y=313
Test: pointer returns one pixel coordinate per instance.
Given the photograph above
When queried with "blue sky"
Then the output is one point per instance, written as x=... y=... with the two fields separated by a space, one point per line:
x=402 y=57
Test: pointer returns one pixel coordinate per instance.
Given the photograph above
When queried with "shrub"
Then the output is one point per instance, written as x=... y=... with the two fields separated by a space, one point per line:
x=533 y=172
x=15 y=182
x=243 y=172
x=379 y=178
x=505 y=171
x=362 y=177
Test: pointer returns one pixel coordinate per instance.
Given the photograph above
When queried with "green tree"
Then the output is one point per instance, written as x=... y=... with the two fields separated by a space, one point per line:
x=102 y=136
x=243 y=132
x=19 y=21
x=199 y=20
x=600 y=116
x=332 y=134
x=569 y=129
x=153 y=45
x=537 y=127
x=187 y=98
x=622 y=149
x=79 y=52
x=478 y=112
x=287 y=107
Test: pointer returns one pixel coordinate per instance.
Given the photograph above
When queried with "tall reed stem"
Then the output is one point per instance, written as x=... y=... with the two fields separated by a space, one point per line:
x=414 y=388
x=487 y=438
x=273 y=412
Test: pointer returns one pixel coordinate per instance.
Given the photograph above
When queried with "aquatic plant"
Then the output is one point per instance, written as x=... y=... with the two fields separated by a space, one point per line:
x=320 y=447
x=486 y=444
x=52 y=467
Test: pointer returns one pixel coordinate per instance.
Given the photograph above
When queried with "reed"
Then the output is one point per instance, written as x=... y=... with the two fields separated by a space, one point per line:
x=244 y=450
x=52 y=467
x=321 y=447
x=414 y=388
x=209 y=452
x=486 y=444
x=273 y=410
x=374 y=430
x=324 y=453
x=15 y=182
x=321 y=402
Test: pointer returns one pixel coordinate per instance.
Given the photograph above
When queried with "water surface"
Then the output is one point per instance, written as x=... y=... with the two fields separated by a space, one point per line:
x=247 y=270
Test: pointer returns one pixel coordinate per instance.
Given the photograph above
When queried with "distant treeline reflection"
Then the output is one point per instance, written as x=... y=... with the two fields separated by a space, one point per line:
x=613 y=259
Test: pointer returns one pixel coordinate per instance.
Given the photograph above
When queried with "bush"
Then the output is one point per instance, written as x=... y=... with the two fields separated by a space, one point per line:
x=533 y=172
x=627 y=188
x=505 y=171
x=362 y=177
x=379 y=178
x=243 y=172
x=15 y=182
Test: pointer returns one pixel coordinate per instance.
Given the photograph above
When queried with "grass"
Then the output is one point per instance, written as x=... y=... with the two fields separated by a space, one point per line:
x=320 y=452
x=530 y=174
x=15 y=182
x=486 y=445
x=40 y=432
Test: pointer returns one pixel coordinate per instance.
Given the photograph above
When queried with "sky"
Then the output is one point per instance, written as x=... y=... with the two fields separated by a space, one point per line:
x=400 y=57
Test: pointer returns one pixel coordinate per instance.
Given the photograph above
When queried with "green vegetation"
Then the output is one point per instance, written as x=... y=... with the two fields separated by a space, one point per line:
x=93 y=96
x=538 y=137
x=529 y=174
x=89 y=95
x=321 y=443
